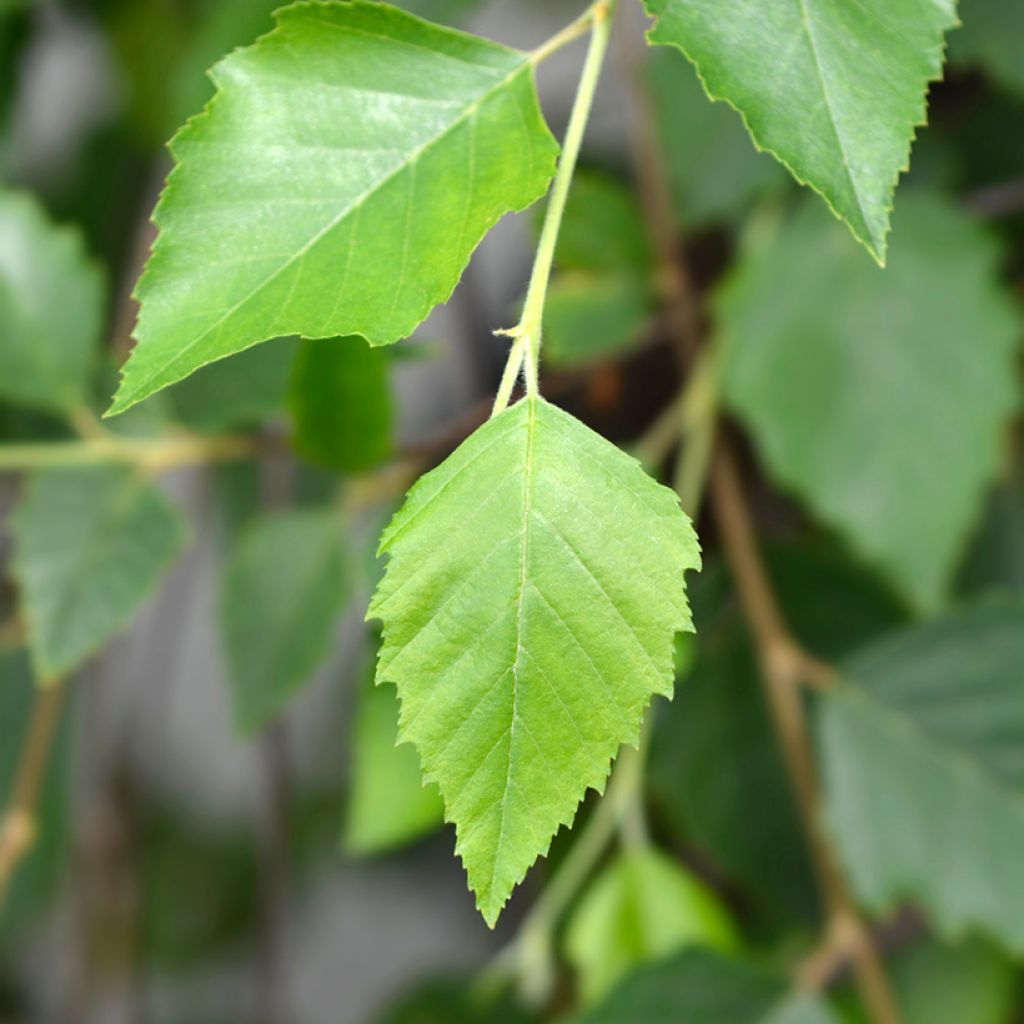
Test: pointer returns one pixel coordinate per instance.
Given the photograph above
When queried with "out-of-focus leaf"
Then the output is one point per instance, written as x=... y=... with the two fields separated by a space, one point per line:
x=51 y=309
x=992 y=35
x=91 y=544
x=835 y=91
x=340 y=401
x=196 y=891
x=995 y=560
x=364 y=119
x=588 y=317
x=923 y=755
x=452 y=1002
x=535 y=586
x=858 y=386
x=240 y=393
x=643 y=906
x=36 y=878
x=389 y=804
x=739 y=809
x=699 y=986
x=284 y=589
x=971 y=984
x=714 y=170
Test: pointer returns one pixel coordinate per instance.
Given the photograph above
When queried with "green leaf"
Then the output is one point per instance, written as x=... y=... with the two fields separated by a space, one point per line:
x=51 y=309
x=388 y=803
x=90 y=546
x=340 y=400
x=924 y=771
x=641 y=907
x=284 y=589
x=970 y=984
x=387 y=147
x=240 y=393
x=588 y=317
x=834 y=90
x=535 y=587
x=860 y=390
x=443 y=1001
x=714 y=171
x=702 y=987
x=992 y=35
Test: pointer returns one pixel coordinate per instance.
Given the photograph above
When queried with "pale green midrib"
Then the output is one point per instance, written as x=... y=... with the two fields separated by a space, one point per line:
x=355 y=205
x=859 y=698
x=528 y=465
x=806 y=19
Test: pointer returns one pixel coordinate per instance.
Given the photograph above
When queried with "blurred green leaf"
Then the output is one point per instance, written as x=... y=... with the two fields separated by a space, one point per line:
x=284 y=590
x=339 y=396
x=738 y=809
x=36 y=877
x=90 y=546
x=834 y=91
x=860 y=390
x=640 y=908
x=992 y=35
x=363 y=118
x=700 y=986
x=971 y=984
x=713 y=168
x=240 y=393
x=995 y=560
x=589 y=317
x=923 y=755
x=51 y=309
x=389 y=804
x=452 y=1002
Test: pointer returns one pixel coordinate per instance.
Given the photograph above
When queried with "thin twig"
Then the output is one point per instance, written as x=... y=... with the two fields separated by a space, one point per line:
x=19 y=825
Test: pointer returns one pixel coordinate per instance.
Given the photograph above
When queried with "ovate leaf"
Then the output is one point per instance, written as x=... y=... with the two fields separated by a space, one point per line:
x=336 y=184
x=535 y=587
x=833 y=89
x=51 y=309
x=388 y=803
x=339 y=395
x=924 y=771
x=860 y=389
x=642 y=907
x=285 y=587
x=90 y=545
x=702 y=987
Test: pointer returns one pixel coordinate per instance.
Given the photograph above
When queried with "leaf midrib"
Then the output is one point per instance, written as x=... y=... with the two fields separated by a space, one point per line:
x=354 y=207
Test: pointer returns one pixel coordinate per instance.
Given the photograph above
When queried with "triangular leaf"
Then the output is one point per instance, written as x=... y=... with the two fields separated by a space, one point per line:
x=337 y=183
x=90 y=545
x=535 y=587
x=834 y=90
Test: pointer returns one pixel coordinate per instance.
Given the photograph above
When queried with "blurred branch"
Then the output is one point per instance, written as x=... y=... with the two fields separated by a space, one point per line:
x=1000 y=200
x=19 y=825
x=785 y=666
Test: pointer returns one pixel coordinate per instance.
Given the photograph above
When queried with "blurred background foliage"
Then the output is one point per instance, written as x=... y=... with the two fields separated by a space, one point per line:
x=226 y=830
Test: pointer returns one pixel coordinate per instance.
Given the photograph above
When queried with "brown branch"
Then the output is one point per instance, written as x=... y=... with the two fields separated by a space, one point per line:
x=19 y=825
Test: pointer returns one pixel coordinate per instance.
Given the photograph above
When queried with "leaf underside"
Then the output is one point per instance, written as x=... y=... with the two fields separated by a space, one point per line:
x=534 y=588
x=833 y=89
x=337 y=183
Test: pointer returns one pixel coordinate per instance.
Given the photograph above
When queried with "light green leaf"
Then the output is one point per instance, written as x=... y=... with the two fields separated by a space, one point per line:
x=714 y=170
x=704 y=988
x=924 y=771
x=833 y=89
x=340 y=400
x=388 y=803
x=51 y=309
x=641 y=907
x=535 y=587
x=284 y=589
x=90 y=546
x=588 y=317
x=861 y=390
x=992 y=36
x=337 y=183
